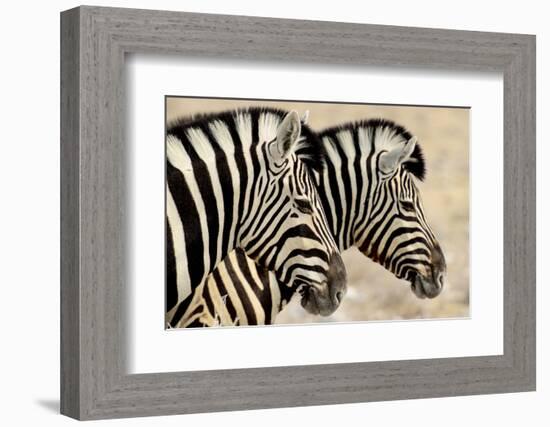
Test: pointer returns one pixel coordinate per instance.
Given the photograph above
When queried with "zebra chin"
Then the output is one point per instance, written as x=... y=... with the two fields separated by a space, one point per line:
x=325 y=298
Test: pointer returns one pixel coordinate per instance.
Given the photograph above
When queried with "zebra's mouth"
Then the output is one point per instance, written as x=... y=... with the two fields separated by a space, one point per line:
x=309 y=301
x=425 y=287
x=314 y=301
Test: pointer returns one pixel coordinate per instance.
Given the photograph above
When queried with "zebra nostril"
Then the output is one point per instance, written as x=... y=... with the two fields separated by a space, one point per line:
x=439 y=279
x=339 y=296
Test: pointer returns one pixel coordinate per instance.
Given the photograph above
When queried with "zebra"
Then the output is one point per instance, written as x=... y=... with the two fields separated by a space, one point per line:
x=368 y=191
x=234 y=180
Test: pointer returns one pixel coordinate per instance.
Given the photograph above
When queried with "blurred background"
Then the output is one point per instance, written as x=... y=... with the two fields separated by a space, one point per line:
x=373 y=292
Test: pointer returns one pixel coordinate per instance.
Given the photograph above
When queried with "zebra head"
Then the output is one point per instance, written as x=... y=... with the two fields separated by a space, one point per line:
x=395 y=232
x=285 y=229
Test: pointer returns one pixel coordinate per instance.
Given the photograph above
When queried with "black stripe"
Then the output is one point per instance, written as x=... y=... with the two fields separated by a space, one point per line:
x=366 y=215
x=227 y=189
x=334 y=192
x=393 y=235
x=375 y=249
x=373 y=227
x=357 y=167
x=397 y=261
x=402 y=245
x=310 y=268
x=263 y=295
x=195 y=323
x=256 y=169
x=346 y=182
x=297 y=231
x=246 y=231
x=309 y=253
x=208 y=299
x=206 y=191
x=324 y=194
x=287 y=293
x=277 y=243
x=255 y=119
x=243 y=297
x=277 y=198
x=241 y=165
x=385 y=191
x=410 y=264
x=189 y=214
x=268 y=302
x=383 y=185
x=171 y=277
x=274 y=215
x=223 y=291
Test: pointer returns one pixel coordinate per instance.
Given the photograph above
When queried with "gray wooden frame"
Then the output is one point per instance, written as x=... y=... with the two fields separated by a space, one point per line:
x=94 y=41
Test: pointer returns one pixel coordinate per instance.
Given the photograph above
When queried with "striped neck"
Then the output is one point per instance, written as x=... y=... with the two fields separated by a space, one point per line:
x=347 y=182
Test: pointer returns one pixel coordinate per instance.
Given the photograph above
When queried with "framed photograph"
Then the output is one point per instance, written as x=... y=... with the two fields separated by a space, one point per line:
x=261 y=213
x=394 y=230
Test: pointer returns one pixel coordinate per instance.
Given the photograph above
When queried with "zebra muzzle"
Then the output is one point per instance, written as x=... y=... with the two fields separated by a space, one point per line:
x=425 y=287
x=324 y=298
x=431 y=286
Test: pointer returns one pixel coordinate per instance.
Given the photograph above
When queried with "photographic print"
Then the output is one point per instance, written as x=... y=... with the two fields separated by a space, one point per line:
x=297 y=212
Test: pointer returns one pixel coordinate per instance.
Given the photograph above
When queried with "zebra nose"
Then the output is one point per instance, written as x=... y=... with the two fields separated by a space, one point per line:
x=439 y=267
x=439 y=279
x=337 y=278
x=438 y=259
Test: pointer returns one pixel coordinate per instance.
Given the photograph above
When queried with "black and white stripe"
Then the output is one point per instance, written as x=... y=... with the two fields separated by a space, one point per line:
x=234 y=180
x=368 y=191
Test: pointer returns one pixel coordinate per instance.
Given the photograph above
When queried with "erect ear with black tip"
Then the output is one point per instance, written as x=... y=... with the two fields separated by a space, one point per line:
x=399 y=154
x=288 y=134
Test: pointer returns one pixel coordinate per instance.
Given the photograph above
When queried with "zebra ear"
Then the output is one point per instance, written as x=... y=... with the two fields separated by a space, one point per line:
x=399 y=154
x=305 y=117
x=288 y=134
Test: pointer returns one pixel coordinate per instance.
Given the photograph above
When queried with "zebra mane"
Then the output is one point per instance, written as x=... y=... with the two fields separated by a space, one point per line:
x=309 y=149
x=416 y=165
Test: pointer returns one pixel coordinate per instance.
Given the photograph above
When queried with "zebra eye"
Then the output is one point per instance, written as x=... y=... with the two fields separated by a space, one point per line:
x=407 y=206
x=304 y=206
